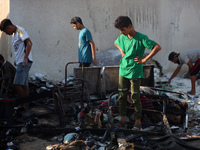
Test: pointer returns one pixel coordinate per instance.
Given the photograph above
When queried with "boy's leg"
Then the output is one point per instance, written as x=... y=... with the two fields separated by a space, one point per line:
x=20 y=90
x=135 y=96
x=26 y=93
x=20 y=93
x=123 y=89
x=193 y=80
x=193 y=72
x=21 y=81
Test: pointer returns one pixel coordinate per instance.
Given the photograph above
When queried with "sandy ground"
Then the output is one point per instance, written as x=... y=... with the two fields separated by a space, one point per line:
x=36 y=144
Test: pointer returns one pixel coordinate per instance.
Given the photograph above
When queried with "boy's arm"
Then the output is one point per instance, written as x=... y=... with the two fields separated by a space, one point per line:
x=176 y=71
x=190 y=65
x=95 y=62
x=28 y=50
x=122 y=53
x=155 y=50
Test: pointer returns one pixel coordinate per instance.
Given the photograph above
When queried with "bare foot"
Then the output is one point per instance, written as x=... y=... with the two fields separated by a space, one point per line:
x=191 y=93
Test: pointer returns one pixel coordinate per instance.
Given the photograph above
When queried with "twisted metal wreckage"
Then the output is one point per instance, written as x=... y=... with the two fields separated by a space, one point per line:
x=92 y=121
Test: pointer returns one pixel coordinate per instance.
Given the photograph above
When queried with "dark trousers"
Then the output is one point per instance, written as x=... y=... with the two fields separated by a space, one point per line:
x=85 y=64
x=123 y=89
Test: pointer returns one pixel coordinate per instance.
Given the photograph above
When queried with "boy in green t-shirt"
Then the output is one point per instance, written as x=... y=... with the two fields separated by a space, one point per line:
x=132 y=45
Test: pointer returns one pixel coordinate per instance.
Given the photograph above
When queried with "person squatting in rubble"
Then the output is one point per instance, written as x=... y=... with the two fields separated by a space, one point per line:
x=22 y=47
x=7 y=72
x=86 y=48
x=7 y=69
x=132 y=45
x=190 y=57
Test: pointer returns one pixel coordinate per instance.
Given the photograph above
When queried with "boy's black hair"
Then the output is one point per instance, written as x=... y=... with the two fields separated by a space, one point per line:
x=74 y=20
x=1 y=57
x=5 y=23
x=122 y=21
x=172 y=55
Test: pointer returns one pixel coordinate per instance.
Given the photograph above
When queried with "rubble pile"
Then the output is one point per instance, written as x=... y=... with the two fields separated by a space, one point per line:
x=91 y=127
x=169 y=119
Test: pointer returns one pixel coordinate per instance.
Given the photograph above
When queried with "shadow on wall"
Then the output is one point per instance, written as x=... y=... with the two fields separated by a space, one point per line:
x=4 y=43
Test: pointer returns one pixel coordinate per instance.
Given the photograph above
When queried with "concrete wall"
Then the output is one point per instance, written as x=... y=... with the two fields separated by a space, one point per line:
x=174 y=24
x=4 y=40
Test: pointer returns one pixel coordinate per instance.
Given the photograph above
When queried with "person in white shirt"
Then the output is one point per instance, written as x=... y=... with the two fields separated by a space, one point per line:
x=22 y=47
x=190 y=57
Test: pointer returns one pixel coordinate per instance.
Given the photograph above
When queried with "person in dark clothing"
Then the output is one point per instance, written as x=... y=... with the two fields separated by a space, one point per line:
x=7 y=69
x=7 y=73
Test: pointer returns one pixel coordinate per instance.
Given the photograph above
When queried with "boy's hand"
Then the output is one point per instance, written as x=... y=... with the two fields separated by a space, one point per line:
x=139 y=60
x=123 y=54
x=25 y=62
x=169 y=81
x=95 y=62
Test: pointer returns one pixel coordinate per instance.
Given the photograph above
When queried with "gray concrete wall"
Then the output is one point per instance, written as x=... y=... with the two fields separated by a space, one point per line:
x=4 y=40
x=174 y=24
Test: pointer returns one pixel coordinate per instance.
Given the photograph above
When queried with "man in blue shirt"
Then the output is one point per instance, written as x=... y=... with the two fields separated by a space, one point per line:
x=86 y=48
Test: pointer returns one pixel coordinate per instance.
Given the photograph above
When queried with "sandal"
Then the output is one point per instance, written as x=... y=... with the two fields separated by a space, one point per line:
x=121 y=125
x=136 y=127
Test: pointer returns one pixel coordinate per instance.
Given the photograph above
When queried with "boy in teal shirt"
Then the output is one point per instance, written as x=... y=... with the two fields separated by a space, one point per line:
x=132 y=46
x=86 y=47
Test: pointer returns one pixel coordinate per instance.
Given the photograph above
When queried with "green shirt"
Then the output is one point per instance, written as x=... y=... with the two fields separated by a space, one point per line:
x=132 y=48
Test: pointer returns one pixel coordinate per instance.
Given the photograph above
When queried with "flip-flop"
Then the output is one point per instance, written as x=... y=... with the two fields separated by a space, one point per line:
x=136 y=127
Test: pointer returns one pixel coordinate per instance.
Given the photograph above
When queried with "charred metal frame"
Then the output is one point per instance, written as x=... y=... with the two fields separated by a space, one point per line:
x=186 y=102
x=65 y=92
